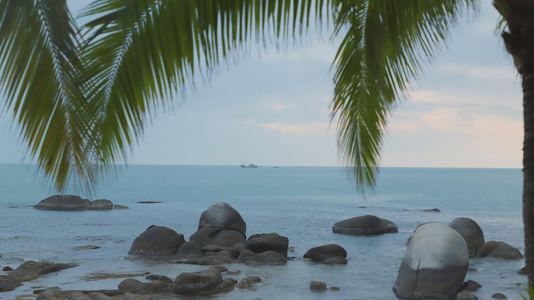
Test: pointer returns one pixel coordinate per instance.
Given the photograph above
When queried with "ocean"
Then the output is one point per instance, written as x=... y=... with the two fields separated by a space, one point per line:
x=301 y=203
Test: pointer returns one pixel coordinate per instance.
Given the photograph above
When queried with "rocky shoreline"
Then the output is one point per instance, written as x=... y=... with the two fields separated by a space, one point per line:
x=436 y=252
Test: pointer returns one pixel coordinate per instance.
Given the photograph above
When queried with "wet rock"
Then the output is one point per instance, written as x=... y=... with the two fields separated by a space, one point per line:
x=129 y=285
x=101 y=204
x=157 y=240
x=63 y=203
x=118 y=206
x=265 y=258
x=189 y=249
x=223 y=216
x=222 y=269
x=248 y=282
x=466 y=295
x=336 y=260
x=228 y=238
x=499 y=296
x=322 y=253
x=226 y=286
x=154 y=277
x=498 y=250
x=195 y=282
x=88 y=247
x=523 y=271
x=204 y=236
x=148 y=202
x=259 y=243
x=317 y=286
x=219 y=258
x=8 y=286
x=470 y=231
x=471 y=285
x=31 y=270
x=365 y=225
x=99 y=296
x=214 y=248
x=335 y=288
x=103 y=275
x=435 y=263
x=154 y=287
x=431 y=210
x=7 y=269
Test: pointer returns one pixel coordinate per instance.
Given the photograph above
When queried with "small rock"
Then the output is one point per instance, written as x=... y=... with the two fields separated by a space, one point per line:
x=432 y=210
x=471 y=285
x=466 y=295
x=118 y=206
x=7 y=269
x=365 y=225
x=248 y=282
x=148 y=202
x=191 y=283
x=226 y=286
x=220 y=268
x=88 y=247
x=335 y=288
x=8 y=286
x=523 y=271
x=129 y=285
x=317 y=286
x=322 y=253
x=499 y=296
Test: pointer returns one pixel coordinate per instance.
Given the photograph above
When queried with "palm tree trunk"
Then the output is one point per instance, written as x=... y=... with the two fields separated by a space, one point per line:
x=528 y=173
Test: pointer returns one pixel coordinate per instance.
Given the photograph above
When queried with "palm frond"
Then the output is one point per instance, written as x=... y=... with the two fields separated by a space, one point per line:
x=38 y=71
x=143 y=53
x=386 y=44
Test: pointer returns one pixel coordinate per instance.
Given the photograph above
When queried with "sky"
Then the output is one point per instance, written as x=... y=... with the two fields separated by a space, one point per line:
x=273 y=108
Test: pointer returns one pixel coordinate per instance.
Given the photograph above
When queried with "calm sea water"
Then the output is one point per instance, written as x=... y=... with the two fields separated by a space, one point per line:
x=301 y=203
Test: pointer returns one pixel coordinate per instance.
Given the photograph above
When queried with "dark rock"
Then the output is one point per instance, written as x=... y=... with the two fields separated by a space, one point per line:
x=222 y=269
x=101 y=204
x=485 y=249
x=233 y=273
x=118 y=206
x=466 y=295
x=189 y=249
x=213 y=248
x=336 y=260
x=259 y=243
x=523 y=271
x=129 y=285
x=435 y=264
x=432 y=210
x=226 y=286
x=157 y=240
x=148 y=202
x=471 y=285
x=191 y=283
x=499 y=296
x=7 y=269
x=205 y=235
x=103 y=275
x=223 y=216
x=153 y=287
x=505 y=251
x=317 y=286
x=365 y=225
x=8 y=286
x=248 y=282
x=228 y=238
x=31 y=270
x=335 y=288
x=63 y=203
x=470 y=231
x=88 y=247
x=322 y=253
x=154 y=277
x=265 y=258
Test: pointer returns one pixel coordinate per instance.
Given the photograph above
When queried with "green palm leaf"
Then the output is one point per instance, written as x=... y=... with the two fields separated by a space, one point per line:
x=385 y=46
x=38 y=77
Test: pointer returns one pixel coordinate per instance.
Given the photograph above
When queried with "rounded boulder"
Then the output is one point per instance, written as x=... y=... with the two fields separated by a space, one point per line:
x=259 y=243
x=64 y=203
x=196 y=282
x=157 y=240
x=435 y=264
x=223 y=216
x=322 y=253
x=365 y=225
x=470 y=231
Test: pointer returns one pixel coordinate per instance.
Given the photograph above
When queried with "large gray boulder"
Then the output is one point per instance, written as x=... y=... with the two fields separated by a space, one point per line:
x=435 y=264
x=64 y=203
x=325 y=252
x=262 y=242
x=101 y=204
x=197 y=282
x=365 y=225
x=157 y=240
x=470 y=231
x=223 y=216
x=499 y=250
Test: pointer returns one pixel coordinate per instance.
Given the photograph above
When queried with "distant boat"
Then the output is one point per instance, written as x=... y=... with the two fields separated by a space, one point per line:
x=249 y=166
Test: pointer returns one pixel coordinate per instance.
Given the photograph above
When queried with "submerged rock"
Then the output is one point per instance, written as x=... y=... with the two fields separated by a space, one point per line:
x=248 y=282
x=470 y=231
x=64 y=203
x=435 y=264
x=317 y=286
x=365 y=225
x=322 y=253
x=157 y=240
x=195 y=282
x=29 y=270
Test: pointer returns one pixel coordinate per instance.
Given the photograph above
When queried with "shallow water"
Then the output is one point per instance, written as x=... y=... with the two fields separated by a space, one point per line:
x=301 y=203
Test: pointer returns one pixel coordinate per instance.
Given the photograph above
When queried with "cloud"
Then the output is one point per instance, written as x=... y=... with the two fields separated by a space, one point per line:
x=479 y=71
x=279 y=106
x=315 y=127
